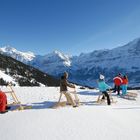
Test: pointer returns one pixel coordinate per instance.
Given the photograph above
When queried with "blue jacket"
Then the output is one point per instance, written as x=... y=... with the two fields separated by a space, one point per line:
x=103 y=86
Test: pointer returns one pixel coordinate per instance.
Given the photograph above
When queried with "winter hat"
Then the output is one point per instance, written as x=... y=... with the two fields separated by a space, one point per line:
x=101 y=77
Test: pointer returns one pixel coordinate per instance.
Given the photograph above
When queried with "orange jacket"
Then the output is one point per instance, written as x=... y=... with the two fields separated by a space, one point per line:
x=125 y=81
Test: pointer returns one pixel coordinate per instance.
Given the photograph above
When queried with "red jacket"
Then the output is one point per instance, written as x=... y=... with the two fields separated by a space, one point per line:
x=125 y=81
x=3 y=101
x=118 y=80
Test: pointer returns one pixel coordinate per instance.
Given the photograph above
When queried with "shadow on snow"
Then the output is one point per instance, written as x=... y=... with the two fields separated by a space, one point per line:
x=89 y=93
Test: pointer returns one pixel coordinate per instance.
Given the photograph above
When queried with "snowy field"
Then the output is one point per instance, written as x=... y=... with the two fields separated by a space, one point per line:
x=90 y=121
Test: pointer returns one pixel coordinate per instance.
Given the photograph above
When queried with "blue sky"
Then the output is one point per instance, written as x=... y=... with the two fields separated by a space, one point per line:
x=70 y=26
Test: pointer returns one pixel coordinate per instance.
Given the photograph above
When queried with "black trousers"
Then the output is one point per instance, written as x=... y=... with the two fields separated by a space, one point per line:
x=107 y=95
x=117 y=88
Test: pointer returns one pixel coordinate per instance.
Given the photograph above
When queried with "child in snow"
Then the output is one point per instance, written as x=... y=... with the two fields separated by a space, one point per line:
x=118 y=82
x=103 y=88
x=63 y=88
x=3 y=103
x=124 y=85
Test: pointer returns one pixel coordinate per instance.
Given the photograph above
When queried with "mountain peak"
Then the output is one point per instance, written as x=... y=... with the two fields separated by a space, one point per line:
x=8 y=48
x=60 y=55
x=56 y=52
x=133 y=42
x=18 y=55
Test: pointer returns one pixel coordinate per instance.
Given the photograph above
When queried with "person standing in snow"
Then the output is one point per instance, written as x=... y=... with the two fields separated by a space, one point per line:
x=103 y=88
x=118 y=82
x=63 y=88
x=3 y=103
x=124 y=85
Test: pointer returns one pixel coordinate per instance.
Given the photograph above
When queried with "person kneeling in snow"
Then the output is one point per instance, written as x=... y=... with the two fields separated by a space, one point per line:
x=3 y=103
x=63 y=88
x=103 y=88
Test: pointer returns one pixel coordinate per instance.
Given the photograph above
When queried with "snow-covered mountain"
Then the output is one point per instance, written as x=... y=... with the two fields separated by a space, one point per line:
x=18 y=55
x=21 y=74
x=53 y=63
x=111 y=58
x=85 y=68
x=124 y=59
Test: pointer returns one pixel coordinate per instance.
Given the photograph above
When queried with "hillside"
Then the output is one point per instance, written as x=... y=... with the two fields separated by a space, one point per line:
x=22 y=74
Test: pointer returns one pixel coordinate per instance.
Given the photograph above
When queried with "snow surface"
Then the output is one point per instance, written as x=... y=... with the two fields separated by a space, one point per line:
x=119 y=121
x=6 y=77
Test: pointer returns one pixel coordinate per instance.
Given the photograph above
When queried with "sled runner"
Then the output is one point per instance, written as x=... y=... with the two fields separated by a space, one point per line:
x=21 y=107
x=59 y=104
x=16 y=102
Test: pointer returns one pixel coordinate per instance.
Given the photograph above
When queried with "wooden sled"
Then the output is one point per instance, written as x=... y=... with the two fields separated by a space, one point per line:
x=100 y=100
x=130 y=96
x=64 y=103
x=16 y=102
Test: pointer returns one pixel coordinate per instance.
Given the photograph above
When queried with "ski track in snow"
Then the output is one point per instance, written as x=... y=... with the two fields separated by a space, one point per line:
x=120 y=121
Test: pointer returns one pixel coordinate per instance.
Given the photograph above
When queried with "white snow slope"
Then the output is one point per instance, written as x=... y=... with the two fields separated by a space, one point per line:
x=6 y=77
x=120 y=121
